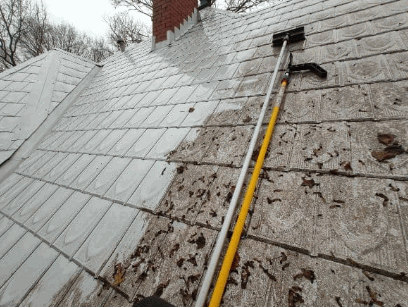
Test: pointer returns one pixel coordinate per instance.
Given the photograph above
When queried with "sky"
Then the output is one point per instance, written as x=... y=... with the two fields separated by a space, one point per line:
x=85 y=15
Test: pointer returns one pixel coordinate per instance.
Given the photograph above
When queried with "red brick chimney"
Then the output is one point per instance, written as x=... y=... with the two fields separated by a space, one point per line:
x=171 y=14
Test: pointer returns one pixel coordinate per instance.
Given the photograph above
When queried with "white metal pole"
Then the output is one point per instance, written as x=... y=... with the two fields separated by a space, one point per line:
x=231 y=210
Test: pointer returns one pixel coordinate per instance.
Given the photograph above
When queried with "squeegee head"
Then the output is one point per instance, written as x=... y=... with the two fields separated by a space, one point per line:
x=295 y=35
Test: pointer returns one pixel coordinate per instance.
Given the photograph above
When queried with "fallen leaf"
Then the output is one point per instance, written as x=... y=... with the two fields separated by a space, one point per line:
x=348 y=167
x=272 y=277
x=294 y=297
x=385 y=198
x=200 y=241
x=373 y=296
x=235 y=262
x=308 y=183
x=160 y=288
x=360 y=301
x=320 y=195
x=191 y=110
x=247 y=119
x=385 y=138
x=389 y=152
x=368 y=275
x=245 y=274
x=284 y=258
x=174 y=249
x=255 y=153
x=118 y=275
x=180 y=169
x=270 y=201
x=308 y=274
x=338 y=301
x=395 y=189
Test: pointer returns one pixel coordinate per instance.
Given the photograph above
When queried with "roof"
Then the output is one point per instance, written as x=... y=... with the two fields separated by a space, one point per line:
x=125 y=196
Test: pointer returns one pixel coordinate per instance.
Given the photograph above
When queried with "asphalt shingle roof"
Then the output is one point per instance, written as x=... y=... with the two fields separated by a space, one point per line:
x=132 y=184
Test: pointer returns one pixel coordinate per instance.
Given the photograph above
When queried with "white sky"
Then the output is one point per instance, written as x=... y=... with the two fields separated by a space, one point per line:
x=85 y=15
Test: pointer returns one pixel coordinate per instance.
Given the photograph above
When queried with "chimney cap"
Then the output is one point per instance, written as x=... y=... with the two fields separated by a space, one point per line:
x=204 y=4
x=121 y=42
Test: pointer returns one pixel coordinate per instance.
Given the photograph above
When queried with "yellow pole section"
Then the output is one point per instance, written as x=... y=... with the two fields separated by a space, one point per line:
x=239 y=226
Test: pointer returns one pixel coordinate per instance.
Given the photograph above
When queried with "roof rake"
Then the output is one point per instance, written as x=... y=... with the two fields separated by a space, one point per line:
x=292 y=36
x=279 y=40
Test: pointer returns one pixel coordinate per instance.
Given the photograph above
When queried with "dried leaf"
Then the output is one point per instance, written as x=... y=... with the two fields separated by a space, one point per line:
x=308 y=274
x=200 y=241
x=294 y=297
x=235 y=262
x=272 y=277
x=348 y=167
x=385 y=138
x=385 y=198
x=118 y=274
x=308 y=183
x=373 y=297
x=160 y=288
x=389 y=152
x=270 y=201
x=338 y=301
x=174 y=249
x=245 y=273
x=395 y=189
x=360 y=301
x=247 y=119
x=320 y=195
x=180 y=169
x=284 y=258
x=368 y=276
x=255 y=153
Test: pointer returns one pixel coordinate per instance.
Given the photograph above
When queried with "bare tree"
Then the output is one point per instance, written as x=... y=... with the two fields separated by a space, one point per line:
x=122 y=25
x=98 y=49
x=66 y=37
x=146 y=6
x=142 y=6
x=241 y=6
x=12 y=26
x=26 y=32
x=35 y=36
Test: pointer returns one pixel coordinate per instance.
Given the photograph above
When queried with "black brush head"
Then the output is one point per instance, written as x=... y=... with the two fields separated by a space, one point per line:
x=152 y=301
x=295 y=35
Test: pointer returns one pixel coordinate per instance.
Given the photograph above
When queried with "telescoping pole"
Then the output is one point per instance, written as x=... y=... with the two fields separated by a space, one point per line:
x=234 y=200
x=239 y=226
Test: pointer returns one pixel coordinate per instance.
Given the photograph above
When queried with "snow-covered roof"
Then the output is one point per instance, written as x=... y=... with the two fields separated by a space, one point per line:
x=125 y=196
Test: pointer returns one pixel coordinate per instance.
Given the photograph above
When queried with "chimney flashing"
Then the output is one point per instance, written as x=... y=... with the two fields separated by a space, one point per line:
x=177 y=31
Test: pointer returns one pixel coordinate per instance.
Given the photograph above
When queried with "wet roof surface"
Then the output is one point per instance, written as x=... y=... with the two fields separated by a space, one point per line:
x=132 y=184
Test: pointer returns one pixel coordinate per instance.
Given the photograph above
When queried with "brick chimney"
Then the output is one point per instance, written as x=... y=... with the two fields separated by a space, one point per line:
x=171 y=18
